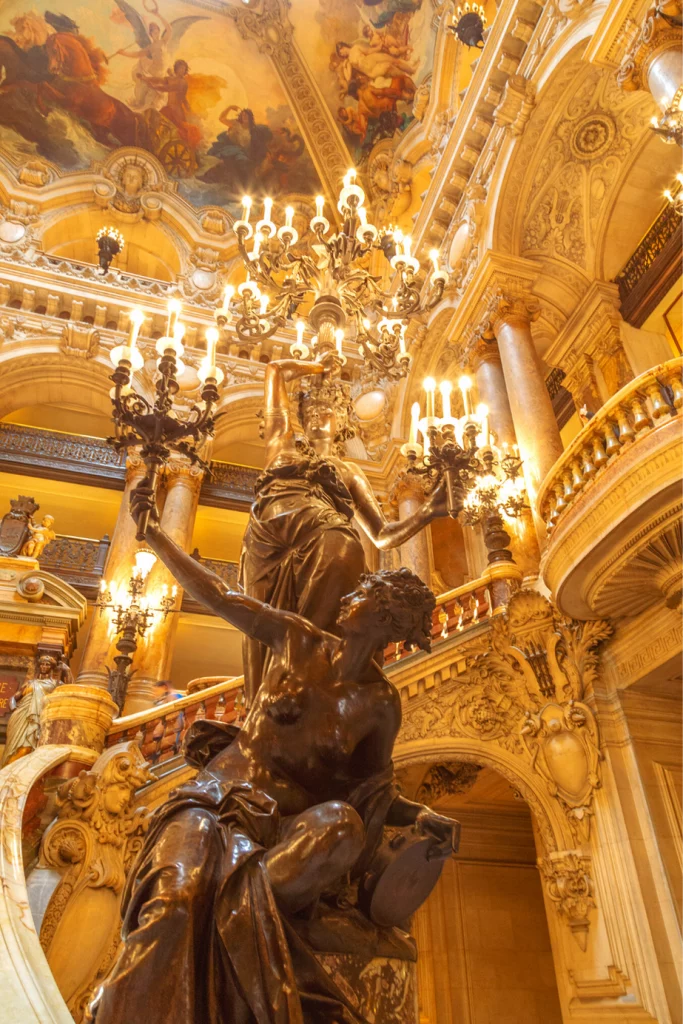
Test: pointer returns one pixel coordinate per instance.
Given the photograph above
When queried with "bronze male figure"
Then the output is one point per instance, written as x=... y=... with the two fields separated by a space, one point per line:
x=283 y=815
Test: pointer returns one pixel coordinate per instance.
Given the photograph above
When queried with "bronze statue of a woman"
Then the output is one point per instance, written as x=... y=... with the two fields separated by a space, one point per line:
x=300 y=551
x=285 y=810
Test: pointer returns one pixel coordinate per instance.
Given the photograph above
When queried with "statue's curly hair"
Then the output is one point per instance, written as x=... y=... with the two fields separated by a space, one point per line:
x=336 y=393
x=407 y=600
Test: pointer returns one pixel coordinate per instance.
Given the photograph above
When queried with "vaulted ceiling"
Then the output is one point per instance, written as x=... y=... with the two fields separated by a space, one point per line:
x=231 y=97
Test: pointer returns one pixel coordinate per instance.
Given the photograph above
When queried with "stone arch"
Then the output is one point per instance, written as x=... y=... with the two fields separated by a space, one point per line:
x=552 y=824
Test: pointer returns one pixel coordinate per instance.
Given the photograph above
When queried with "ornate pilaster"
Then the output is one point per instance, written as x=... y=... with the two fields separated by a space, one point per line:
x=267 y=23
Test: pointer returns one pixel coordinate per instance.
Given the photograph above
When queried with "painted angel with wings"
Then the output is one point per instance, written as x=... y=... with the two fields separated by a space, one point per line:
x=156 y=42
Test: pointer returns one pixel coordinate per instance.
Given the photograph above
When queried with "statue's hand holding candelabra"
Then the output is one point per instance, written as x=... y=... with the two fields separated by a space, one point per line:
x=155 y=427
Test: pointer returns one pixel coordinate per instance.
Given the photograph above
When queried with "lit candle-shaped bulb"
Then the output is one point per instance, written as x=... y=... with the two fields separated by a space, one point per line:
x=300 y=328
x=174 y=590
x=164 y=591
x=366 y=324
x=246 y=208
x=267 y=208
x=407 y=243
x=465 y=384
x=289 y=216
x=679 y=178
x=445 y=387
x=398 y=238
x=258 y=238
x=434 y=257
x=483 y=414
x=228 y=293
x=103 y=586
x=136 y=319
x=414 y=420
x=264 y=304
x=350 y=177
x=402 y=341
x=339 y=337
x=319 y=205
x=429 y=386
x=211 y=344
x=667 y=195
x=178 y=333
x=174 y=308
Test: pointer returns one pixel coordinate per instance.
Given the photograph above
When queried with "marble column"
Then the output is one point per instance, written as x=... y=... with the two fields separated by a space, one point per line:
x=119 y=564
x=155 y=653
x=415 y=553
x=491 y=390
x=533 y=417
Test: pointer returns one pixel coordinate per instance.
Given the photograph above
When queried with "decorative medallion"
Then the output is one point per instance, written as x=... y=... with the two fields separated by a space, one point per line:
x=592 y=137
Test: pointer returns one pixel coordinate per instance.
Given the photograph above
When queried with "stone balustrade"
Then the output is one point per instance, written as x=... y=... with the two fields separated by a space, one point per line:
x=633 y=412
x=159 y=731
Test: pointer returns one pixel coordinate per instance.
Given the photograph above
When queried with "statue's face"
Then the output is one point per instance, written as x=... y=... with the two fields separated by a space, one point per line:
x=116 y=797
x=320 y=421
x=48 y=521
x=44 y=666
x=360 y=612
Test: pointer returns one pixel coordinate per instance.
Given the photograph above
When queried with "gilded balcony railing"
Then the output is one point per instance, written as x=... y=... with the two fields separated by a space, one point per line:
x=79 y=561
x=637 y=409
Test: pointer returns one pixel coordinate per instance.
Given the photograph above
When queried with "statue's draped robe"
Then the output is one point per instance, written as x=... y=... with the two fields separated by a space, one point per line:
x=204 y=939
x=24 y=725
x=300 y=551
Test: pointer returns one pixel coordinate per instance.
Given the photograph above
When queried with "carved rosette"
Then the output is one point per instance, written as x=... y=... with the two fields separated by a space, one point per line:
x=569 y=886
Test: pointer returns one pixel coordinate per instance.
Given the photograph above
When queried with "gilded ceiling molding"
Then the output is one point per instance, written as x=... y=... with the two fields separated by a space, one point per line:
x=267 y=22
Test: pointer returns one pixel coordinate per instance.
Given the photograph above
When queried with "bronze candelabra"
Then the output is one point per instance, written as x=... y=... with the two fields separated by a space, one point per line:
x=155 y=428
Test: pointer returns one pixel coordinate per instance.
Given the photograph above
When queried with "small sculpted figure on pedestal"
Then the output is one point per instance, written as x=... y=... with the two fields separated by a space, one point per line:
x=253 y=865
x=301 y=552
x=40 y=535
x=23 y=731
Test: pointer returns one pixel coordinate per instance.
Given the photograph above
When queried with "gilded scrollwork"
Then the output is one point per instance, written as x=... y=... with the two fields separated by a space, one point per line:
x=92 y=843
x=569 y=886
x=527 y=692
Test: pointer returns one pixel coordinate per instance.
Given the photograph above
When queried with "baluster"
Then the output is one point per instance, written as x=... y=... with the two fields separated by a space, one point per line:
x=641 y=417
x=673 y=379
x=587 y=467
x=600 y=456
x=577 y=478
x=461 y=616
x=568 y=489
x=659 y=403
x=626 y=431
x=611 y=436
x=443 y=619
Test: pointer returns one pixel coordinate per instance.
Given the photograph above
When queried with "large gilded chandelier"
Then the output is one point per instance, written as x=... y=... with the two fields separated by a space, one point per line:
x=329 y=276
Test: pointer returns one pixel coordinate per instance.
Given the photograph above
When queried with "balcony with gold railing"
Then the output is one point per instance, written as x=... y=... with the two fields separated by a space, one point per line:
x=612 y=504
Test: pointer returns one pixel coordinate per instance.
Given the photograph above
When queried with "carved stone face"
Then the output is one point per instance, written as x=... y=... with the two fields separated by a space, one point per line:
x=132 y=179
x=116 y=797
x=45 y=665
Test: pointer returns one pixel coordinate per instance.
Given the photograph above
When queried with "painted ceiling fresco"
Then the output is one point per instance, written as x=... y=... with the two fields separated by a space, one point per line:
x=80 y=80
x=369 y=57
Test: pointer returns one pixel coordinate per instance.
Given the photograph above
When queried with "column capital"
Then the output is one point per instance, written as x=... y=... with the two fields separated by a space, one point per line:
x=507 y=309
x=135 y=466
x=407 y=485
x=179 y=468
x=484 y=350
x=657 y=34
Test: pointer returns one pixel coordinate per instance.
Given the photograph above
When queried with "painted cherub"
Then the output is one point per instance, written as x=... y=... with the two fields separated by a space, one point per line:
x=41 y=535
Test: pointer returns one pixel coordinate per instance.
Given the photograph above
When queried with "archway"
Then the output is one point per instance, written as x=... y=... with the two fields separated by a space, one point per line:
x=484 y=947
